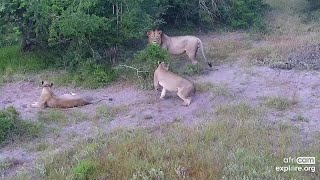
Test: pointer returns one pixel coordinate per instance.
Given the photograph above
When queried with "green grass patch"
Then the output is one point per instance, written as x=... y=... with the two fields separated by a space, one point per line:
x=13 y=61
x=237 y=144
x=53 y=116
x=193 y=69
x=85 y=169
x=12 y=127
x=78 y=116
x=88 y=75
x=15 y=64
x=279 y=103
x=42 y=146
x=107 y=113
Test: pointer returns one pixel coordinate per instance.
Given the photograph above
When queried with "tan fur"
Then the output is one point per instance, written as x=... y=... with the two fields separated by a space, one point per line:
x=172 y=82
x=178 y=45
x=49 y=99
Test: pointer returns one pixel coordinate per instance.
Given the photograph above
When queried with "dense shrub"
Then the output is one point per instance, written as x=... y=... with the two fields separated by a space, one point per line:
x=9 y=35
x=207 y=13
x=92 y=75
x=78 y=30
x=13 y=127
x=314 y=4
x=5 y=127
x=94 y=26
x=247 y=13
x=145 y=62
x=86 y=28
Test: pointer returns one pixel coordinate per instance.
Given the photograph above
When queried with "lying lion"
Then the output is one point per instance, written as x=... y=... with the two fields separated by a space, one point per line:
x=178 y=45
x=49 y=99
x=172 y=82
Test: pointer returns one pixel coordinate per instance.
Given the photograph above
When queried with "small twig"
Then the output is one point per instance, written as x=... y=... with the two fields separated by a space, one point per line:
x=137 y=70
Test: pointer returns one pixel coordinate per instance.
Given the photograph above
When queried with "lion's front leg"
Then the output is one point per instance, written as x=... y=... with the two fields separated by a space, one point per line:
x=155 y=82
x=35 y=105
x=163 y=93
x=43 y=105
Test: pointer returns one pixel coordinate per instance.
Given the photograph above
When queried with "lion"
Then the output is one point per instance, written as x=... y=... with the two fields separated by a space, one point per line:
x=178 y=45
x=172 y=82
x=49 y=99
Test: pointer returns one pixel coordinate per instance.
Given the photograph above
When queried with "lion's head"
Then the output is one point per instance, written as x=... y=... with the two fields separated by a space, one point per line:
x=154 y=37
x=46 y=84
x=163 y=65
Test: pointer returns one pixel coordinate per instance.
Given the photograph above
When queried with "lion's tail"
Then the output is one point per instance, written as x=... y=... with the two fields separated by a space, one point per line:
x=200 y=45
x=94 y=102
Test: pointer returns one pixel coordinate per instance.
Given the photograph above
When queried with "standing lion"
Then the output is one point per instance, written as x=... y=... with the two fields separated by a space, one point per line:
x=178 y=45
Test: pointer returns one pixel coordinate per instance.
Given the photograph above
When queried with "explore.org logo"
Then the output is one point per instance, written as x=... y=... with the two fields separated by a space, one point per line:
x=303 y=164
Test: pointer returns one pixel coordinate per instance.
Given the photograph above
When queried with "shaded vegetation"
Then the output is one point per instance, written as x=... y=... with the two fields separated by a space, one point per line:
x=92 y=36
x=13 y=128
x=88 y=28
x=143 y=65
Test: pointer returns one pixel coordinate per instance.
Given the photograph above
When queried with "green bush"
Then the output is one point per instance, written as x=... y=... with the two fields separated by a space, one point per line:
x=5 y=127
x=13 y=127
x=9 y=34
x=91 y=27
x=146 y=61
x=247 y=13
x=85 y=169
x=313 y=10
x=209 y=13
x=93 y=75
x=314 y=5
x=74 y=31
x=87 y=27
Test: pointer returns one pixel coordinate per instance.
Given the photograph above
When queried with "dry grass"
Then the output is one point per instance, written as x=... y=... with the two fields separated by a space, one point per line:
x=276 y=49
x=214 y=89
x=280 y=103
x=107 y=113
x=53 y=116
x=223 y=51
x=288 y=31
x=287 y=16
x=238 y=144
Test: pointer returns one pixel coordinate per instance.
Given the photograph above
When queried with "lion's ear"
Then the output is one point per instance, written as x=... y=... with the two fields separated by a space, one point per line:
x=159 y=62
x=42 y=82
x=160 y=32
x=51 y=84
x=148 y=33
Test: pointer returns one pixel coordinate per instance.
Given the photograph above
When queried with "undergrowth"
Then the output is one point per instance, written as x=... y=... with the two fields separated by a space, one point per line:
x=14 y=128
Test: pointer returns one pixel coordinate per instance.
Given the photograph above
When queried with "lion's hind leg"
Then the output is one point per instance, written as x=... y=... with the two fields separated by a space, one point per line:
x=183 y=94
x=192 y=54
